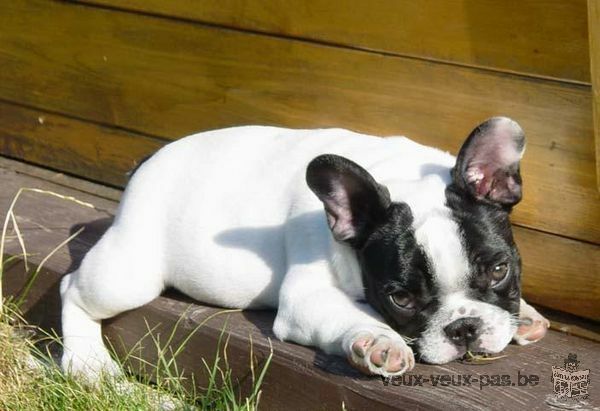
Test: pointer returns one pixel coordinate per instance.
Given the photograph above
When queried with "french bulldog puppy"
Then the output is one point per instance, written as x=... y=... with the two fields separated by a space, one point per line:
x=360 y=243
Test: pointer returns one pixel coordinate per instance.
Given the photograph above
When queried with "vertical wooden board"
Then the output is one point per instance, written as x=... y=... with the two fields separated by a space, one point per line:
x=539 y=38
x=170 y=78
x=594 y=30
x=77 y=147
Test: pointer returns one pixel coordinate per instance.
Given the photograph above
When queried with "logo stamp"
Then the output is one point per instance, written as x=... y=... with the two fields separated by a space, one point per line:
x=570 y=382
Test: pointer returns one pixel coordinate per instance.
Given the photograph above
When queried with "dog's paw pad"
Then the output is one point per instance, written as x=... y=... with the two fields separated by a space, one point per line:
x=361 y=345
x=381 y=355
x=397 y=361
x=532 y=331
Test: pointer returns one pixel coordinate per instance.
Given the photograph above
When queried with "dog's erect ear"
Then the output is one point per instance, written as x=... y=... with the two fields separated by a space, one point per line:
x=488 y=164
x=354 y=202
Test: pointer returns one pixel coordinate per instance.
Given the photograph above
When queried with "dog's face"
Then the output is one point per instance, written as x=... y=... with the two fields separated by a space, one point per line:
x=451 y=277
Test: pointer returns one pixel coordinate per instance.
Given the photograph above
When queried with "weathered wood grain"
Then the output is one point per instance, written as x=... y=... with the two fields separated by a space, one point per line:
x=594 y=41
x=61 y=180
x=77 y=147
x=170 y=78
x=548 y=262
x=301 y=378
x=539 y=38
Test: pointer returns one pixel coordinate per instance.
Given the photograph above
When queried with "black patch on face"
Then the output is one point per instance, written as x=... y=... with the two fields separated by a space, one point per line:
x=487 y=237
x=397 y=280
x=394 y=266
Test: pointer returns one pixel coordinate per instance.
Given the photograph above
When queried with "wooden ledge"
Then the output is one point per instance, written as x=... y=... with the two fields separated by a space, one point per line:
x=298 y=377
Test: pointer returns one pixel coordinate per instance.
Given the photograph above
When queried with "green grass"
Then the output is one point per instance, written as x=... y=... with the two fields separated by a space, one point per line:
x=31 y=380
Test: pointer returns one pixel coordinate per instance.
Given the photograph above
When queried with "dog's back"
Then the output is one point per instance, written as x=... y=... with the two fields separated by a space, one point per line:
x=212 y=210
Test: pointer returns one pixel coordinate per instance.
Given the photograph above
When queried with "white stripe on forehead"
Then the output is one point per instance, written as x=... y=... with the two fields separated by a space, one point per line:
x=435 y=230
x=439 y=237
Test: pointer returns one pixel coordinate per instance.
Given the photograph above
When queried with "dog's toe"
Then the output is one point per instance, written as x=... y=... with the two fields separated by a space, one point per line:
x=533 y=325
x=530 y=333
x=362 y=344
x=381 y=355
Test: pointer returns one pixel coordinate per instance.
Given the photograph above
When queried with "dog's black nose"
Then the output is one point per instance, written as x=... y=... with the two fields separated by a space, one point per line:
x=464 y=330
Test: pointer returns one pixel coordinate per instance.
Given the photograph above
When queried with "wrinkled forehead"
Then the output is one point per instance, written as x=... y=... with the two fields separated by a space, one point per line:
x=439 y=236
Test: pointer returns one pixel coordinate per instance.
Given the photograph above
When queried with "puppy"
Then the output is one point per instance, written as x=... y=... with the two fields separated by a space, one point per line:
x=360 y=243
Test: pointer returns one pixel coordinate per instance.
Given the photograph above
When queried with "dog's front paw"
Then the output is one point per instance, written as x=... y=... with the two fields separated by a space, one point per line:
x=533 y=325
x=377 y=353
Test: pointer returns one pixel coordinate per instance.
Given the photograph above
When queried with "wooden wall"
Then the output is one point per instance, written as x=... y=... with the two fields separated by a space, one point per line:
x=90 y=87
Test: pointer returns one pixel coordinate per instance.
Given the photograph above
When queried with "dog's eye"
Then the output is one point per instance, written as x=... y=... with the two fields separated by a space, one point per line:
x=499 y=273
x=404 y=301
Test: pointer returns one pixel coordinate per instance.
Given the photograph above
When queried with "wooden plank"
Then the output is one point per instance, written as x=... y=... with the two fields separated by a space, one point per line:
x=299 y=377
x=189 y=78
x=557 y=272
x=46 y=220
x=538 y=38
x=42 y=303
x=77 y=147
x=547 y=264
x=303 y=378
x=594 y=29
x=61 y=179
x=292 y=375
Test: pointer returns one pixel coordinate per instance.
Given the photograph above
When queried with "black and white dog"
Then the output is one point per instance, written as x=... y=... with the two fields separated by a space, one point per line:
x=376 y=241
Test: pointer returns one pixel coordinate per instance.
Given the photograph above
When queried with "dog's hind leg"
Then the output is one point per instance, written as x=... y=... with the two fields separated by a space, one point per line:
x=83 y=350
x=110 y=280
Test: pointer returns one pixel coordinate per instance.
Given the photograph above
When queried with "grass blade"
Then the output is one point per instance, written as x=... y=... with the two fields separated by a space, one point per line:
x=36 y=272
x=20 y=239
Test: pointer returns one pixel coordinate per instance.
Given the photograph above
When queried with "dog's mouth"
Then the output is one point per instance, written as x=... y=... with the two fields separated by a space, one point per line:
x=474 y=357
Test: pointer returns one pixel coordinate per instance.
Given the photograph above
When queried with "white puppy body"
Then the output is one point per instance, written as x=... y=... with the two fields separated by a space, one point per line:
x=227 y=218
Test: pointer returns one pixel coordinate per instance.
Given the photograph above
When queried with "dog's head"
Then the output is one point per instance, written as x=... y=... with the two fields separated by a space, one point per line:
x=449 y=277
